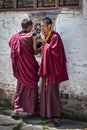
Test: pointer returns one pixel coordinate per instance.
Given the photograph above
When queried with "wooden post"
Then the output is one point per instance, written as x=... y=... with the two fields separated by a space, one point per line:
x=42 y=3
x=64 y=2
x=15 y=4
x=80 y=3
x=22 y=3
x=57 y=4
x=35 y=4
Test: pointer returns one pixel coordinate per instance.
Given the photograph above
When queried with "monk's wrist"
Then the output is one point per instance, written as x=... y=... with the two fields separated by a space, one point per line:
x=43 y=40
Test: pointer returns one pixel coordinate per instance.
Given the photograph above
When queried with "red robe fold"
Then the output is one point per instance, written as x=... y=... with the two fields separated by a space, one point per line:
x=24 y=64
x=53 y=62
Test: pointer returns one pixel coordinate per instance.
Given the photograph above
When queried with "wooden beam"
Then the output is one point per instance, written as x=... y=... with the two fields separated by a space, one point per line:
x=57 y=4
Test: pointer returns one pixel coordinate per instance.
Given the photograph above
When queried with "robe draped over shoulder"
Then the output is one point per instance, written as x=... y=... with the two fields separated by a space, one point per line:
x=53 y=62
x=24 y=65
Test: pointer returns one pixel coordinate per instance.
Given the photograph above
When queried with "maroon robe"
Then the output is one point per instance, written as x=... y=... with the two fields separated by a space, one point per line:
x=53 y=66
x=25 y=68
x=53 y=62
x=24 y=64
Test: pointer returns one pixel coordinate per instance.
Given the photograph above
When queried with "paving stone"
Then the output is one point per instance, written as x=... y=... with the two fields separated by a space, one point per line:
x=27 y=127
x=7 y=120
x=36 y=127
x=53 y=129
x=6 y=128
x=7 y=123
x=33 y=121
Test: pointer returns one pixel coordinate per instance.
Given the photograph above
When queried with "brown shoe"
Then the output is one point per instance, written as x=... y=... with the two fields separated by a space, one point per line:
x=56 y=122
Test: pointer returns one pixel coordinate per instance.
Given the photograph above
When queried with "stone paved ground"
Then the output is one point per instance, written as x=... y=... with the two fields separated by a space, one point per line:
x=8 y=123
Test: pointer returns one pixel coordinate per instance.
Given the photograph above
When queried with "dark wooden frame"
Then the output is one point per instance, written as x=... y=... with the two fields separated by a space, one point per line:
x=35 y=6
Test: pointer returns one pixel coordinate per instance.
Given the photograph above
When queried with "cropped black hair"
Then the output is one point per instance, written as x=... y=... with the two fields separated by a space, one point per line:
x=47 y=20
x=26 y=22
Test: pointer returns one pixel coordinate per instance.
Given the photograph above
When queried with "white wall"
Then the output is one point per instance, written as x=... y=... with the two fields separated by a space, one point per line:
x=72 y=26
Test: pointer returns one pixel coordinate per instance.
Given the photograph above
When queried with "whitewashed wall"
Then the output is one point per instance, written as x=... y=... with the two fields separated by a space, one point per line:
x=72 y=26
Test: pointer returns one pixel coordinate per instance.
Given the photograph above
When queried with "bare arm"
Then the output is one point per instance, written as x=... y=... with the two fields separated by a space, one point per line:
x=35 y=44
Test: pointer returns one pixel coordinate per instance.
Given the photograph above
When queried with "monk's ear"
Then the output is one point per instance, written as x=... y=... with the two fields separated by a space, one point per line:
x=49 y=26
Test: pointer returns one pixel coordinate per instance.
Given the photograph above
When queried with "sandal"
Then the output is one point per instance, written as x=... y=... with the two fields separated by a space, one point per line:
x=56 y=122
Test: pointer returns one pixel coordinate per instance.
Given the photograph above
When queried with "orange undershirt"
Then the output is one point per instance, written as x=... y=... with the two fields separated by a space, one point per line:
x=47 y=37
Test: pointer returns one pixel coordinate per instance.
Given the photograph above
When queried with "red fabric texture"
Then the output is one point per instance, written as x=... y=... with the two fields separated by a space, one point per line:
x=49 y=100
x=24 y=64
x=53 y=62
x=26 y=99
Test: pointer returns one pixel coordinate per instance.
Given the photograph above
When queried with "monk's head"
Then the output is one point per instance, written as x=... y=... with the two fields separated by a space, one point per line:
x=46 y=24
x=27 y=24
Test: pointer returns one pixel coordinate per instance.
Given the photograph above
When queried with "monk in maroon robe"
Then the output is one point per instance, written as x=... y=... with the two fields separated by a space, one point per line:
x=25 y=69
x=52 y=70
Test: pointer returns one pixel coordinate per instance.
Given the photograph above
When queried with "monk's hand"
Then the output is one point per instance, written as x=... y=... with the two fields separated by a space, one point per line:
x=34 y=38
x=42 y=36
